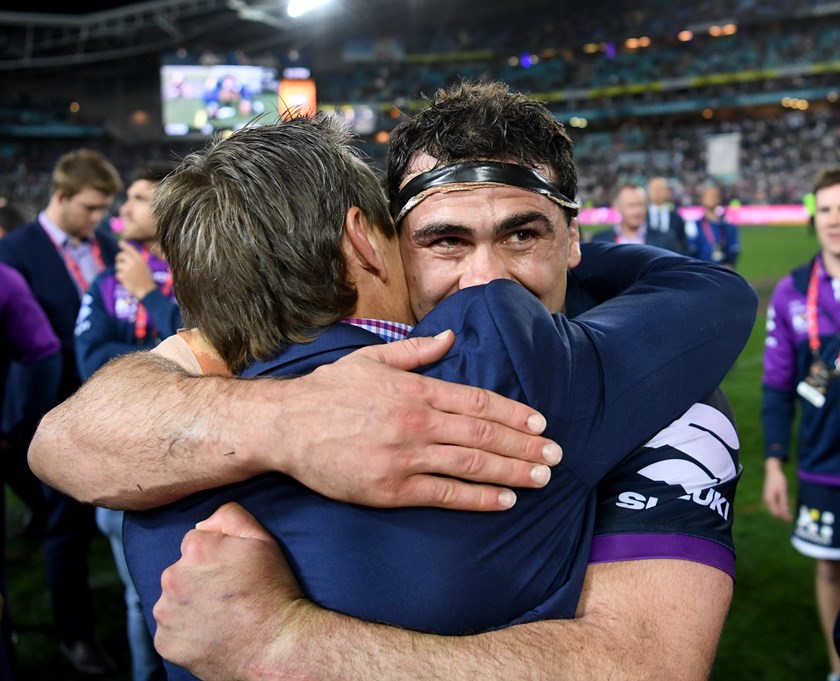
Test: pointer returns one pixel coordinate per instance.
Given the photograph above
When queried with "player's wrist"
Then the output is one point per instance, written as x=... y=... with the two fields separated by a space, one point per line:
x=142 y=291
x=297 y=640
x=773 y=464
x=268 y=444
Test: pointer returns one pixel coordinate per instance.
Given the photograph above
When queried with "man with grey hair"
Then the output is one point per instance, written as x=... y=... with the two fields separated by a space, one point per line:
x=632 y=228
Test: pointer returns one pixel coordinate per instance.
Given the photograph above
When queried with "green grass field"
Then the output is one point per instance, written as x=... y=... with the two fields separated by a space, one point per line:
x=771 y=634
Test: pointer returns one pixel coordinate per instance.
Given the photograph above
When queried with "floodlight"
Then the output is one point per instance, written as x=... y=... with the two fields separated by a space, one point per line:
x=297 y=8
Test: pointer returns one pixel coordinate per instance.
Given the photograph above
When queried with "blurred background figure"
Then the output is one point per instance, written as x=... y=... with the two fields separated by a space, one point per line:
x=661 y=214
x=27 y=338
x=127 y=308
x=10 y=217
x=801 y=363
x=59 y=255
x=713 y=238
x=630 y=203
x=13 y=467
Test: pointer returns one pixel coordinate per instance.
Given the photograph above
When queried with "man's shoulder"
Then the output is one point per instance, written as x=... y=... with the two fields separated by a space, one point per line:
x=22 y=237
x=10 y=277
x=107 y=240
x=673 y=496
x=328 y=345
x=793 y=285
x=603 y=235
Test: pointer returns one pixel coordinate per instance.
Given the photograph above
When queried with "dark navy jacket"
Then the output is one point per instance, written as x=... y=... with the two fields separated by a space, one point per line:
x=666 y=240
x=457 y=572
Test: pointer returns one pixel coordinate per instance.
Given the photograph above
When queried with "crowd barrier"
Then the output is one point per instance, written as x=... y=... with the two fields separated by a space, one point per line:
x=781 y=215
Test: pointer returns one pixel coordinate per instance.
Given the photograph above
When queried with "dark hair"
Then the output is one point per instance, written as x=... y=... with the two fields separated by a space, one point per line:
x=827 y=178
x=85 y=168
x=252 y=228
x=152 y=171
x=10 y=217
x=484 y=121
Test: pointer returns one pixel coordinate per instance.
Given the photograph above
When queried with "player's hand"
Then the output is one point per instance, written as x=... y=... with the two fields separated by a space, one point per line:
x=133 y=272
x=227 y=599
x=775 y=492
x=400 y=439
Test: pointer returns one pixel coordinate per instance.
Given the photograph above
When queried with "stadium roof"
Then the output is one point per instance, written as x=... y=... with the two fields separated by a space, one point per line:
x=95 y=31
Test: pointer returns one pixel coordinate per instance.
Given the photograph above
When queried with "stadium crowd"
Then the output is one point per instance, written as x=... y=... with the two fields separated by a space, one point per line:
x=627 y=138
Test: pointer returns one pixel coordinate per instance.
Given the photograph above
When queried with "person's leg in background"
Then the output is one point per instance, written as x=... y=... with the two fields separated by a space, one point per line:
x=146 y=664
x=828 y=605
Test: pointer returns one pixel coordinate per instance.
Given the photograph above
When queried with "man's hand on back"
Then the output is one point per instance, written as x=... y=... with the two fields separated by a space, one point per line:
x=408 y=440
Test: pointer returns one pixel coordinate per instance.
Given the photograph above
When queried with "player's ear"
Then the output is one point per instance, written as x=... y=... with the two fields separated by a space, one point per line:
x=574 y=243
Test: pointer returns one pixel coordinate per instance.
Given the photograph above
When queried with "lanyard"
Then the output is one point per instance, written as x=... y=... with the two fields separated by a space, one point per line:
x=142 y=317
x=73 y=266
x=811 y=313
x=710 y=235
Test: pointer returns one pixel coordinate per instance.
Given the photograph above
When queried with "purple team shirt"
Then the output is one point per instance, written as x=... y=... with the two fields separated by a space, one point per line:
x=787 y=328
x=23 y=324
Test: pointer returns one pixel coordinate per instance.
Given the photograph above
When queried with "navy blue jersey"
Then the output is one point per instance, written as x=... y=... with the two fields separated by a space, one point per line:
x=456 y=572
x=673 y=496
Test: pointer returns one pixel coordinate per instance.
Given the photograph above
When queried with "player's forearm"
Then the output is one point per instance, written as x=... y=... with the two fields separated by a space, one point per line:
x=339 y=648
x=639 y=620
x=142 y=432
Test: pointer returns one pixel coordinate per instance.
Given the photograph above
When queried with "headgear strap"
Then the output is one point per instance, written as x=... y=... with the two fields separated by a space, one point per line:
x=476 y=173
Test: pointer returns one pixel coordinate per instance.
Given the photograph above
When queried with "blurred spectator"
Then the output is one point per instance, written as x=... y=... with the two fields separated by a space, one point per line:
x=10 y=217
x=26 y=338
x=801 y=365
x=127 y=308
x=13 y=465
x=630 y=202
x=661 y=216
x=712 y=238
x=59 y=255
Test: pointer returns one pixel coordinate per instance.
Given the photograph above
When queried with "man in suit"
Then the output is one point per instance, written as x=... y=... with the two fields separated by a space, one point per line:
x=661 y=215
x=632 y=228
x=59 y=255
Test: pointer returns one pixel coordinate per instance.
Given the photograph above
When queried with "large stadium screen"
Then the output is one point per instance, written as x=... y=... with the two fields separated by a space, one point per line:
x=199 y=100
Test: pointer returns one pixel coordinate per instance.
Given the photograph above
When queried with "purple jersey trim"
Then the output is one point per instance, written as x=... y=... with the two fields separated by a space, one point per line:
x=622 y=547
x=819 y=478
